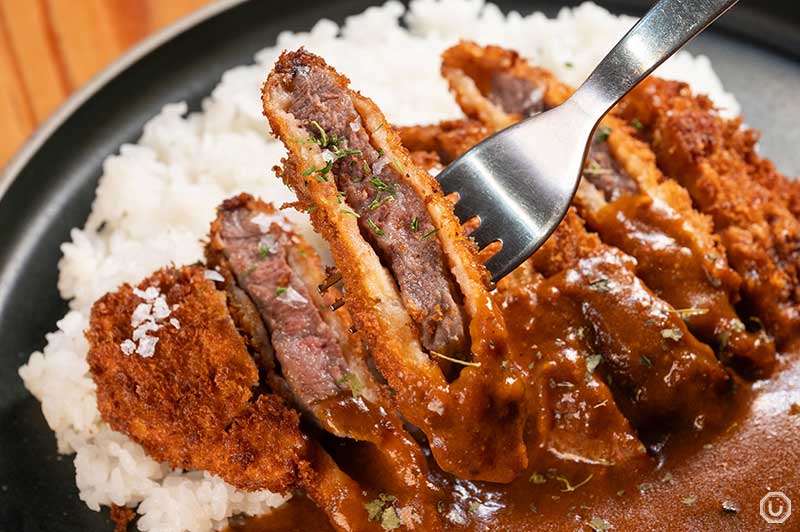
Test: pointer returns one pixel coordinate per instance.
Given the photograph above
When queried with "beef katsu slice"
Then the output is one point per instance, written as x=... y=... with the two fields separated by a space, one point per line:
x=626 y=199
x=698 y=148
x=391 y=231
x=189 y=399
x=324 y=365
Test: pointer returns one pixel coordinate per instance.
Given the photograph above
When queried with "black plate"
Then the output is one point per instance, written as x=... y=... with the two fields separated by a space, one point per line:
x=49 y=188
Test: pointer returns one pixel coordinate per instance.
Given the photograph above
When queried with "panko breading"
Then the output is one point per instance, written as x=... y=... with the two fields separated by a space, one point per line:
x=192 y=403
x=703 y=152
x=627 y=200
x=325 y=367
x=486 y=393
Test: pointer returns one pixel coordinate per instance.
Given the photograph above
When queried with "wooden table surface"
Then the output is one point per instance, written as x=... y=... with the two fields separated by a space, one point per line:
x=49 y=48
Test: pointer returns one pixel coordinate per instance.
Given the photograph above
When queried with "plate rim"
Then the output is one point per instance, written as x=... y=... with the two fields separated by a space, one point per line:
x=13 y=168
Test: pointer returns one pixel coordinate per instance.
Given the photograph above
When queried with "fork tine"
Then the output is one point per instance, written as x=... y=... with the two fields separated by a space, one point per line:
x=449 y=181
x=501 y=263
x=465 y=208
x=484 y=236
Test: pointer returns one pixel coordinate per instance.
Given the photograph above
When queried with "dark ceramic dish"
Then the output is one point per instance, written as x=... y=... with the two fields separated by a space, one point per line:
x=49 y=187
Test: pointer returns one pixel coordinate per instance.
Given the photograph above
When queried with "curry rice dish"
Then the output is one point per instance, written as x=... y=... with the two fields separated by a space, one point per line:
x=616 y=380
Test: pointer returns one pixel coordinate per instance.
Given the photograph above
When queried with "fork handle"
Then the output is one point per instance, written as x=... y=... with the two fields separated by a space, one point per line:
x=656 y=36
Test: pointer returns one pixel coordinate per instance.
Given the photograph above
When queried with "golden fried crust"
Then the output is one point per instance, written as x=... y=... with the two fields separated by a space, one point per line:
x=699 y=149
x=470 y=68
x=367 y=414
x=644 y=207
x=448 y=139
x=191 y=403
x=482 y=397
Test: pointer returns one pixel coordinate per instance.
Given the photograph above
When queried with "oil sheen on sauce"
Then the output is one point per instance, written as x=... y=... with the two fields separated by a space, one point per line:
x=713 y=480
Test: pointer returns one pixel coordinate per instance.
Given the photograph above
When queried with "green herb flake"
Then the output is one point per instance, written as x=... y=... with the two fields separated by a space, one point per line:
x=646 y=361
x=533 y=508
x=599 y=525
x=603 y=132
x=310 y=171
x=568 y=487
x=324 y=170
x=600 y=285
x=379 y=200
x=249 y=270
x=637 y=123
x=594 y=168
x=311 y=208
x=398 y=165
x=389 y=519
x=323 y=137
x=474 y=506
x=350 y=213
x=415 y=224
x=686 y=313
x=689 y=501
x=374 y=509
x=592 y=362
x=377 y=230
x=569 y=64
x=376 y=182
x=723 y=338
x=537 y=478
x=263 y=251
x=644 y=487
x=281 y=290
x=456 y=360
x=379 y=127
x=430 y=233
x=381 y=509
x=672 y=334
x=344 y=153
x=355 y=384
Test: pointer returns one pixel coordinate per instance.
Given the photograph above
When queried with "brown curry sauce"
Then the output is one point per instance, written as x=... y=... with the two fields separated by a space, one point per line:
x=709 y=480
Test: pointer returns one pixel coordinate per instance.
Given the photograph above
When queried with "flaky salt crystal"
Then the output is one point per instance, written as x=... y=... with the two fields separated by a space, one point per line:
x=264 y=221
x=292 y=297
x=211 y=275
x=175 y=323
x=128 y=347
x=142 y=330
x=140 y=313
x=328 y=156
x=160 y=308
x=148 y=295
x=147 y=346
x=378 y=165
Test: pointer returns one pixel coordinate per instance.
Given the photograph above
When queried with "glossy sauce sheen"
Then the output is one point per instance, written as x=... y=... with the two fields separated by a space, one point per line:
x=711 y=481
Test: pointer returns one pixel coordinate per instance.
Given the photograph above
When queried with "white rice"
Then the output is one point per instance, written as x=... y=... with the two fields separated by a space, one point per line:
x=156 y=199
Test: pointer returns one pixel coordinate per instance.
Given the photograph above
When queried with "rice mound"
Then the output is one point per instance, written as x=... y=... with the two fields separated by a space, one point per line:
x=157 y=197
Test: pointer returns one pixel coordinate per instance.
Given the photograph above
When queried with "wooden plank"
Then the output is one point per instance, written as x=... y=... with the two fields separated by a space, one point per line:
x=17 y=118
x=49 y=48
x=39 y=60
x=85 y=35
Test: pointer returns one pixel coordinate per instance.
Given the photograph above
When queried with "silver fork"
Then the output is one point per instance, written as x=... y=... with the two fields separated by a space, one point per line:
x=520 y=181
